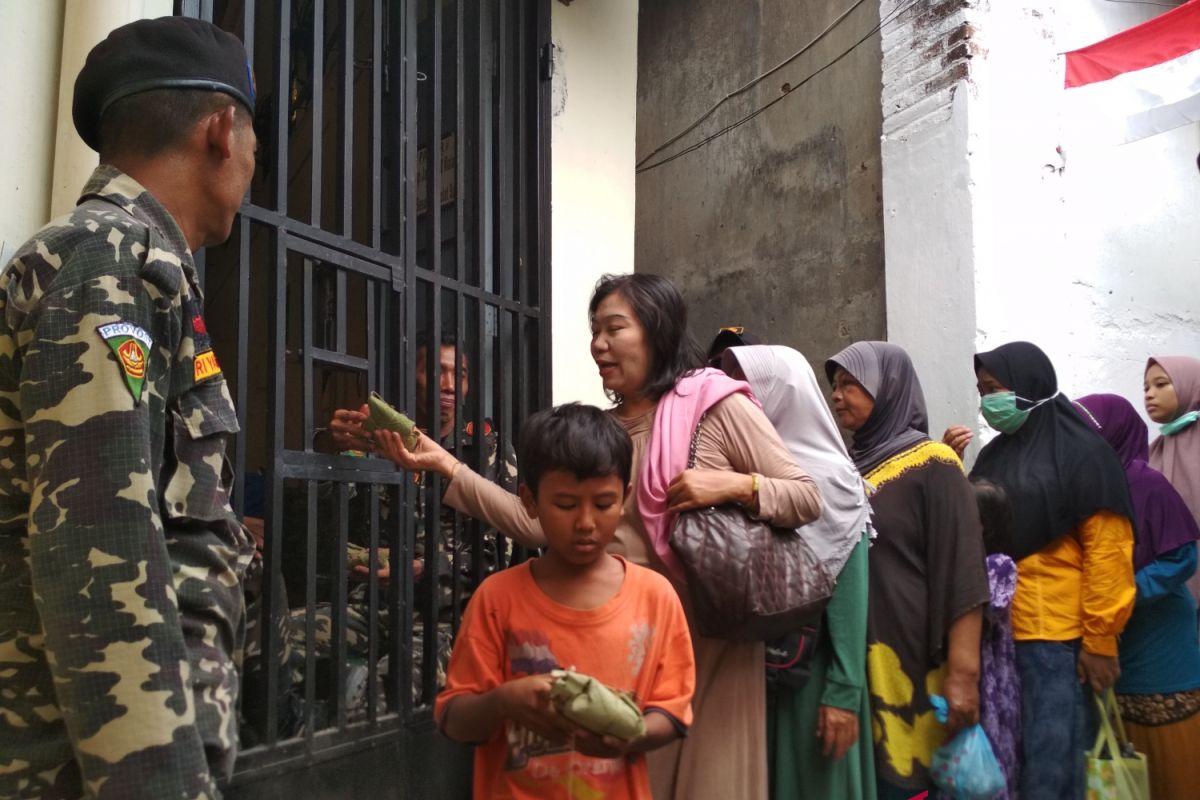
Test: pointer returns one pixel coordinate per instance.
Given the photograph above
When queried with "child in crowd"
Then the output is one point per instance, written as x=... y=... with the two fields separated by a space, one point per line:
x=999 y=681
x=576 y=607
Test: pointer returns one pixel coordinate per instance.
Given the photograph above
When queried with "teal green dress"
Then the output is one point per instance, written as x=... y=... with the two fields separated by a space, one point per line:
x=798 y=769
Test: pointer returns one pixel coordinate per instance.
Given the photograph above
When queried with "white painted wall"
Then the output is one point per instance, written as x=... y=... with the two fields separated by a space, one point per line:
x=43 y=162
x=993 y=235
x=592 y=141
x=1093 y=254
x=29 y=48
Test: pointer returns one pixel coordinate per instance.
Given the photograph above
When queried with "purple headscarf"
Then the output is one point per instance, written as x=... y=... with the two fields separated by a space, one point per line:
x=1162 y=520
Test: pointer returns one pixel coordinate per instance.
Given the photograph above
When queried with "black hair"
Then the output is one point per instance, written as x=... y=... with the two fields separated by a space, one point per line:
x=574 y=438
x=148 y=123
x=995 y=514
x=662 y=312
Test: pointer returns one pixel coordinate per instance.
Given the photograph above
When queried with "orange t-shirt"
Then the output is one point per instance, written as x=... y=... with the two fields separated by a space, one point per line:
x=637 y=641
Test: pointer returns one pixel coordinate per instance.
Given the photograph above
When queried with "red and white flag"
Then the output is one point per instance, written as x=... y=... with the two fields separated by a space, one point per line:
x=1142 y=81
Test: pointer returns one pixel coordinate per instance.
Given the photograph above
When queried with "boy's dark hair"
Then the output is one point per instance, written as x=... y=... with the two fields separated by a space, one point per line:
x=995 y=513
x=574 y=438
x=660 y=308
x=151 y=122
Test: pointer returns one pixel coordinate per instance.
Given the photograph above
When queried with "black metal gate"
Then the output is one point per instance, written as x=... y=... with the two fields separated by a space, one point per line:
x=400 y=212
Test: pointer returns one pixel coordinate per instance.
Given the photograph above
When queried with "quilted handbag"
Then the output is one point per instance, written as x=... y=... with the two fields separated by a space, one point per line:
x=747 y=579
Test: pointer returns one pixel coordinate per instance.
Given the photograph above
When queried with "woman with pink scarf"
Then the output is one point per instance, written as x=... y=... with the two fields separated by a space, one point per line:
x=651 y=368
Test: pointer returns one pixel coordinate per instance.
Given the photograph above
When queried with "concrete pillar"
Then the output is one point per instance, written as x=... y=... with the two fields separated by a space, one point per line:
x=85 y=24
x=29 y=48
x=931 y=200
x=592 y=137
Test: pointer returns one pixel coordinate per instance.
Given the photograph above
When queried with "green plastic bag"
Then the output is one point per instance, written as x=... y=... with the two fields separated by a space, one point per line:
x=356 y=555
x=383 y=417
x=1115 y=771
x=595 y=707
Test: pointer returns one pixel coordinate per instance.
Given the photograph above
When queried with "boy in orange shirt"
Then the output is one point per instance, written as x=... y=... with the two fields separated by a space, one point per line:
x=575 y=607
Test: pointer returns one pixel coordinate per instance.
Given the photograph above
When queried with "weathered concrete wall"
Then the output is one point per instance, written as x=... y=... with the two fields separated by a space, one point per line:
x=776 y=225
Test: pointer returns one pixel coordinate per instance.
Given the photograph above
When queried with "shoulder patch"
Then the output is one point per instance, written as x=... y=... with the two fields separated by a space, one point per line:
x=131 y=345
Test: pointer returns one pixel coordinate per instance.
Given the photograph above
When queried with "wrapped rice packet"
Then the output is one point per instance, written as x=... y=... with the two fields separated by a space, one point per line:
x=384 y=417
x=357 y=555
x=595 y=707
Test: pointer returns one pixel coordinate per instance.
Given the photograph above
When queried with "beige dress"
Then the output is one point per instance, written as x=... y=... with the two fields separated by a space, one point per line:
x=724 y=756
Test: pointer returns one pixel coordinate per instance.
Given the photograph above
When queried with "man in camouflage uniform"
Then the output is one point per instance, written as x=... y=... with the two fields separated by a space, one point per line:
x=120 y=558
x=454 y=559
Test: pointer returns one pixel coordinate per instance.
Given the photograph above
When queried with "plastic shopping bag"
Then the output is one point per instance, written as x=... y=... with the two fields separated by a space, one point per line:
x=965 y=768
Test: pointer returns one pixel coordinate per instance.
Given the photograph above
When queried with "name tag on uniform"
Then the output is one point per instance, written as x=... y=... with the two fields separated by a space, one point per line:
x=131 y=346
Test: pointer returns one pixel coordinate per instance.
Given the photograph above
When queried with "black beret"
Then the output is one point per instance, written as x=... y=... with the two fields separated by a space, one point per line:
x=166 y=53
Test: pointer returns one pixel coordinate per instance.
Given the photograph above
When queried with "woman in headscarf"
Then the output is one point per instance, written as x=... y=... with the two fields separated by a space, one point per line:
x=820 y=734
x=1159 y=687
x=1072 y=540
x=653 y=369
x=927 y=579
x=1172 y=387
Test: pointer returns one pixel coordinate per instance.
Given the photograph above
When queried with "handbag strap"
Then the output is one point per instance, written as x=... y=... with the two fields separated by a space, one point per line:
x=695 y=442
x=1115 y=738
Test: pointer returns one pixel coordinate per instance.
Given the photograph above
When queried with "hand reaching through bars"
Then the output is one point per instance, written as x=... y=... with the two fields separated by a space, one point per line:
x=426 y=456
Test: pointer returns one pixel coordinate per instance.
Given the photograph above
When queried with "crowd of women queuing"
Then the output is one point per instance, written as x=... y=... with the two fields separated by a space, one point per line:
x=1022 y=591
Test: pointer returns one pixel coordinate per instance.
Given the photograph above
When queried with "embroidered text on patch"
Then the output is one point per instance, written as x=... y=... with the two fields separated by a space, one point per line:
x=205 y=366
x=131 y=346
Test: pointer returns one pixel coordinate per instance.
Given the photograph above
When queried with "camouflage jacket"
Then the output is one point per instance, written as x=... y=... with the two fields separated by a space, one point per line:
x=120 y=559
x=455 y=549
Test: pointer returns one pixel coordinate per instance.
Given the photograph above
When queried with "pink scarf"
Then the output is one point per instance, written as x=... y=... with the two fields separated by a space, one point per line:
x=675 y=420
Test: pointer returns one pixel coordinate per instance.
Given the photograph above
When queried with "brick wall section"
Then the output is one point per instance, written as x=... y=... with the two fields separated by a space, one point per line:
x=927 y=51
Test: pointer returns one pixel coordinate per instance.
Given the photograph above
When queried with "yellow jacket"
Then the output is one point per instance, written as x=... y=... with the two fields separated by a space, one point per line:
x=1081 y=585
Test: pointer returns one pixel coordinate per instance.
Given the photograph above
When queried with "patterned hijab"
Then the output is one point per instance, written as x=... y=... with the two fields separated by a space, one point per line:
x=1056 y=469
x=898 y=420
x=784 y=383
x=1162 y=519
x=1178 y=456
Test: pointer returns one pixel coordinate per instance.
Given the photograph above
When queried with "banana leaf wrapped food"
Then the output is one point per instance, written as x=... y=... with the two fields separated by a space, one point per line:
x=383 y=417
x=357 y=555
x=595 y=707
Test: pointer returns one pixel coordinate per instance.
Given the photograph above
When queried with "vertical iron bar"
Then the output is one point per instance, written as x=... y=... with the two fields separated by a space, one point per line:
x=337 y=605
x=306 y=352
x=346 y=121
x=340 y=343
x=484 y=178
x=433 y=148
x=310 y=611
x=525 y=61
x=276 y=398
x=373 y=603
x=541 y=148
x=504 y=150
x=283 y=106
x=460 y=229
x=318 y=111
x=248 y=9
x=377 y=81
x=243 y=367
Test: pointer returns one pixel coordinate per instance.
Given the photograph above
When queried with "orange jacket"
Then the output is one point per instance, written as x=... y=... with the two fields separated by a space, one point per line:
x=1081 y=585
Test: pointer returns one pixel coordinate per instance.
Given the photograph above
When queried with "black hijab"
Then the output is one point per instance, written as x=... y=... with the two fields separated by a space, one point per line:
x=898 y=420
x=1056 y=470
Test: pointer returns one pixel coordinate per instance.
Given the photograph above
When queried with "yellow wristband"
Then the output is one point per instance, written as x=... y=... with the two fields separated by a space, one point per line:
x=754 y=488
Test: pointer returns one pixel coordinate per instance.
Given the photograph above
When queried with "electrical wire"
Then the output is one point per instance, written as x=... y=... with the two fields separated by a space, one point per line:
x=750 y=84
x=790 y=88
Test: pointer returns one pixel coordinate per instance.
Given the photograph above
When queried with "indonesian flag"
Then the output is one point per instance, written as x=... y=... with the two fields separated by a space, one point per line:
x=1145 y=80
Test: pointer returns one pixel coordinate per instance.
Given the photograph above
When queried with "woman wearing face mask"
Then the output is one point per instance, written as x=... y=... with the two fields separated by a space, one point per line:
x=820 y=734
x=1159 y=687
x=653 y=369
x=1072 y=539
x=927 y=581
x=1173 y=401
